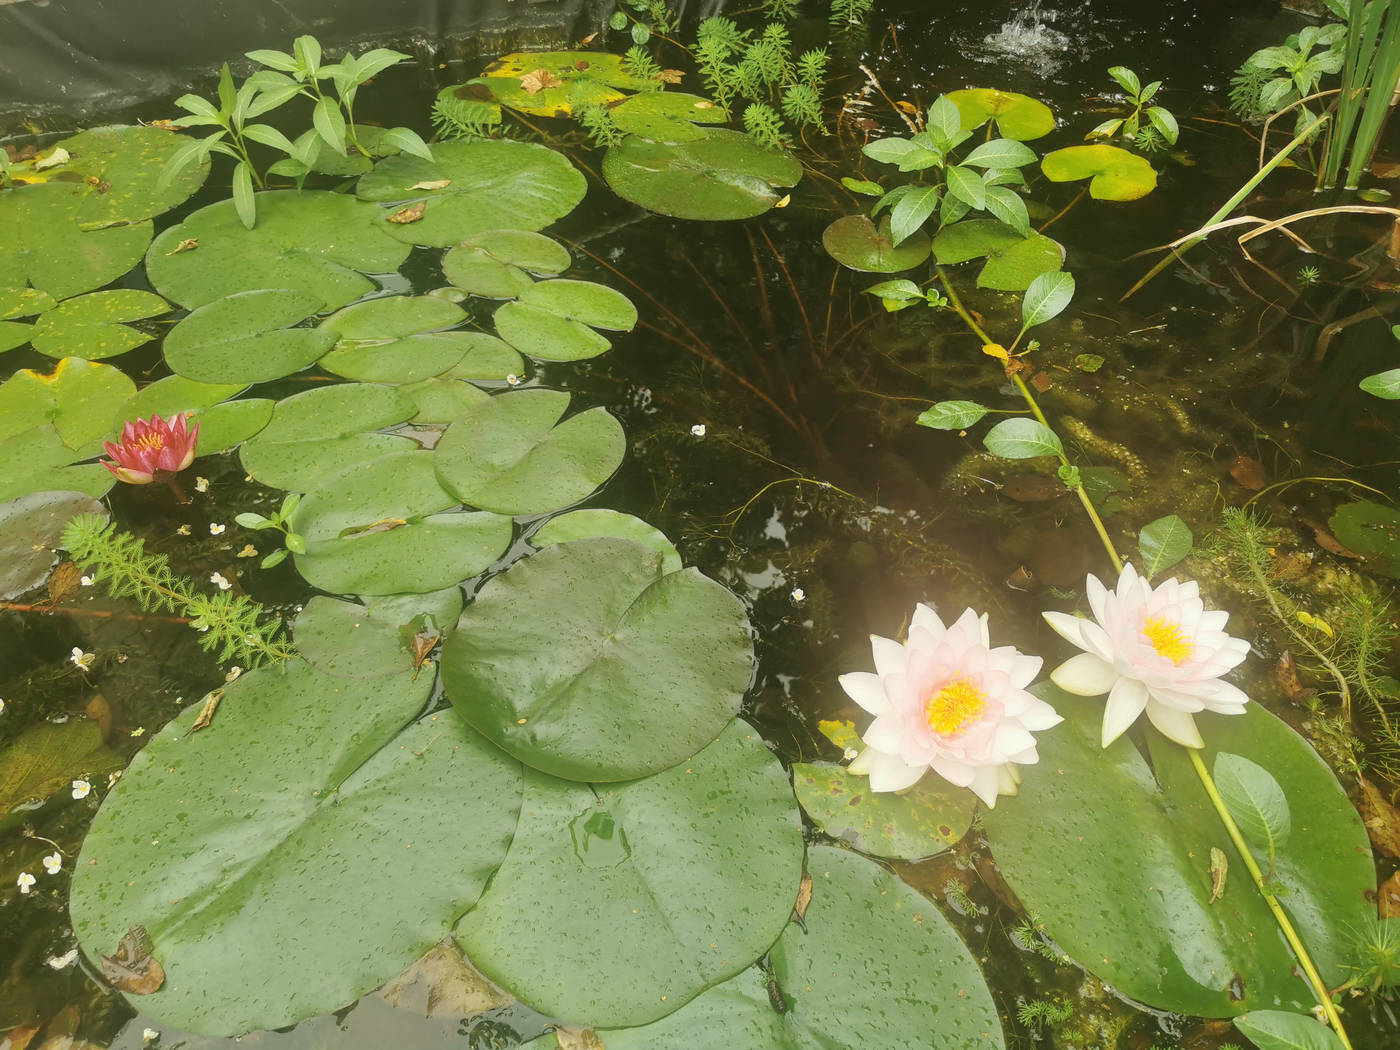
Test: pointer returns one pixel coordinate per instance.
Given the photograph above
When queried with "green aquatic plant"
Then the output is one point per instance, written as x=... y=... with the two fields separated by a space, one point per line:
x=1368 y=78
x=230 y=625
x=850 y=13
x=1284 y=76
x=1157 y=122
x=1377 y=944
x=281 y=519
x=764 y=126
x=1037 y=1013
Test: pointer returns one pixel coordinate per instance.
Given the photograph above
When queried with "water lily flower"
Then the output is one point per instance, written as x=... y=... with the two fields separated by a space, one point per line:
x=81 y=788
x=150 y=446
x=946 y=700
x=149 y=1035
x=81 y=659
x=1151 y=648
x=25 y=881
x=53 y=863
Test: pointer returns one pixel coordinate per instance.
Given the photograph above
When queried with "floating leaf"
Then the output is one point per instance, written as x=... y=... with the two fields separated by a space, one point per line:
x=1372 y=530
x=79 y=398
x=641 y=881
x=491 y=182
x=951 y=415
x=1046 y=297
x=1117 y=174
x=366 y=641
x=1022 y=438
x=247 y=338
x=911 y=825
x=172 y=395
x=30 y=528
x=90 y=327
x=348 y=792
x=722 y=175
x=1017 y=117
x=442 y=399
x=1383 y=384
x=857 y=244
x=122 y=167
x=1256 y=801
x=565 y=79
x=314 y=242
x=1163 y=543
x=588 y=303
x=1281 y=1030
x=43 y=243
x=545 y=335
x=666 y=116
x=392 y=339
x=37 y=460
x=599 y=521
x=1013 y=261
x=512 y=454
x=44 y=757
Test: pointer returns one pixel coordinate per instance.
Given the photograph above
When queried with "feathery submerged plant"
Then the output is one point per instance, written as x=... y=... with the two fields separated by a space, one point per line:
x=228 y=623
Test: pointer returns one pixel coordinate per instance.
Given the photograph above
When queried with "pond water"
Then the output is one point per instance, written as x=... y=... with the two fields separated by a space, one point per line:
x=768 y=406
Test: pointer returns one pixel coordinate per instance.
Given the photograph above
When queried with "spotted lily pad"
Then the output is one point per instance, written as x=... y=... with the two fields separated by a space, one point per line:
x=722 y=175
x=1013 y=261
x=442 y=399
x=247 y=338
x=347 y=783
x=79 y=398
x=43 y=243
x=30 y=528
x=20 y=302
x=1017 y=117
x=222 y=423
x=600 y=521
x=667 y=885
x=1115 y=174
x=667 y=116
x=37 y=460
x=497 y=264
x=858 y=244
x=90 y=326
x=394 y=339
x=511 y=454
x=483 y=185
x=314 y=242
x=122 y=167
x=550 y=83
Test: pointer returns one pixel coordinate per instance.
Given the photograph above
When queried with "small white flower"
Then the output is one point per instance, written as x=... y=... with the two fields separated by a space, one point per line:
x=62 y=962
x=850 y=754
x=86 y=581
x=513 y=379
x=183 y=530
x=233 y=673
x=215 y=529
x=698 y=430
x=798 y=596
x=220 y=581
x=149 y=1035
x=24 y=881
x=201 y=484
x=248 y=551
x=53 y=863
x=81 y=788
x=2 y=707
x=81 y=659
x=139 y=731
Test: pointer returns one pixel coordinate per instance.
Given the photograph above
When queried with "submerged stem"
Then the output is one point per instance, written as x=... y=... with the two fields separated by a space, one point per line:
x=1280 y=916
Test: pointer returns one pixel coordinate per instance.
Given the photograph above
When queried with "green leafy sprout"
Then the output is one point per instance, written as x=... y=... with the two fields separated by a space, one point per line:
x=1151 y=128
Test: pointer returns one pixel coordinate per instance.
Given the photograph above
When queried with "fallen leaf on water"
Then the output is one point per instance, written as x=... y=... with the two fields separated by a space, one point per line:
x=670 y=76
x=206 y=713
x=133 y=969
x=804 y=898
x=1249 y=473
x=1388 y=897
x=587 y=40
x=431 y=184
x=1219 y=869
x=1042 y=381
x=412 y=213
x=570 y=1037
x=65 y=581
x=1324 y=536
x=53 y=160
x=189 y=244
x=783 y=201
x=100 y=711
x=704 y=103
x=580 y=65
x=1286 y=674
x=535 y=82
x=382 y=525
x=19 y=1038
x=441 y=983
x=906 y=107
x=1382 y=820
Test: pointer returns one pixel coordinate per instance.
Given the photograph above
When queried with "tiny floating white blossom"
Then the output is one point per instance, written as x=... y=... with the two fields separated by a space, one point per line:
x=248 y=551
x=62 y=962
x=53 y=863
x=798 y=596
x=1151 y=648
x=698 y=430
x=81 y=788
x=25 y=881
x=946 y=700
x=139 y=731
x=201 y=484
x=81 y=659
x=215 y=529
x=85 y=581
x=513 y=379
x=233 y=673
x=149 y=1035
x=220 y=580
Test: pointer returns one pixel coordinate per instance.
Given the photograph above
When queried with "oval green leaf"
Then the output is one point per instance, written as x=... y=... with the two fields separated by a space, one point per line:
x=545 y=335
x=1371 y=530
x=1013 y=261
x=911 y=825
x=1017 y=117
x=349 y=640
x=1022 y=438
x=1116 y=174
x=247 y=338
x=599 y=521
x=90 y=326
x=858 y=244
x=1046 y=297
x=1163 y=543
x=951 y=415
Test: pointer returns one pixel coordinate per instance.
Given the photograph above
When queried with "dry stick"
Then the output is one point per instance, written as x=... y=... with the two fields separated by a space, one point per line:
x=1230 y=205
x=1061 y=213
x=1207 y=781
x=796 y=295
x=41 y=607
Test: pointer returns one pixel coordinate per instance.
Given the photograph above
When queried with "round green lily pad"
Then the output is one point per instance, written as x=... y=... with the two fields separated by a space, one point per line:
x=543 y=334
x=644 y=666
x=347 y=850
x=552 y=83
x=441 y=400
x=313 y=241
x=478 y=272
x=511 y=454
x=230 y=423
x=488 y=183
x=392 y=340
x=858 y=244
x=600 y=521
x=592 y=304
x=1371 y=530
x=90 y=326
x=122 y=167
x=247 y=338
x=1017 y=117
x=172 y=395
x=667 y=885
x=523 y=248
x=38 y=461
x=349 y=640
x=497 y=264
x=80 y=398
x=1116 y=174
x=911 y=825
x=43 y=243
x=299 y=466
x=1013 y=261
x=666 y=116
x=722 y=175
x=487 y=358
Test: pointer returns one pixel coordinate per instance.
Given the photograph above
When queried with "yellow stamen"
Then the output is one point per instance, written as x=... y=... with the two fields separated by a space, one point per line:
x=954 y=707
x=153 y=442
x=1168 y=639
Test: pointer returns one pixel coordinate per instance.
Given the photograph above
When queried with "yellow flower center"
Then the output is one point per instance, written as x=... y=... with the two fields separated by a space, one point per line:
x=954 y=707
x=1168 y=639
x=153 y=442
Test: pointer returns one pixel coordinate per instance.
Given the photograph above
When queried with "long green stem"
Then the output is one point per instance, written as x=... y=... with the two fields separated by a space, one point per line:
x=1280 y=916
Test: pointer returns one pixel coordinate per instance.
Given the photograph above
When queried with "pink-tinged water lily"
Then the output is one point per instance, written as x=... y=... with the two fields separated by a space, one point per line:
x=1151 y=648
x=148 y=446
x=946 y=700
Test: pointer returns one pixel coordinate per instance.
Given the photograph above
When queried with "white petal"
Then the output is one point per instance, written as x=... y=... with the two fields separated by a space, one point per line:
x=865 y=689
x=928 y=620
x=890 y=773
x=1012 y=739
x=1067 y=627
x=953 y=771
x=1039 y=715
x=985 y=784
x=890 y=657
x=986 y=631
x=1084 y=675
x=1023 y=669
x=1213 y=620
x=860 y=765
x=1175 y=725
x=885 y=734
x=1125 y=702
x=1096 y=593
x=1227 y=699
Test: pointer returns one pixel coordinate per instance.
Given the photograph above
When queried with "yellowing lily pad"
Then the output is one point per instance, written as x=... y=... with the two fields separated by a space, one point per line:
x=90 y=326
x=1017 y=116
x=549 y=83
x=1117 y=174
x=667 y=116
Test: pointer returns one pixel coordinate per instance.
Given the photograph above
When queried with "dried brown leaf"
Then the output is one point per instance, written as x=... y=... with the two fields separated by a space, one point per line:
x=1388 y=897
x=571 y=1037
x=431 y=184
x=906 y=107
x=189 y=244
x=424 y=642
x=441 y=983
x=1219 y=870
x=19 y=1038
x=534 y=82
x=1042 y=381
x=206 y=713
x=134 y=969
x=64 y=581
x=670 y=76
x=1382 y=820
x=1286 y=674
x=1324 y=536
x=587 y=40
x=804 y=898
x=1249 y=473
x=411 y=213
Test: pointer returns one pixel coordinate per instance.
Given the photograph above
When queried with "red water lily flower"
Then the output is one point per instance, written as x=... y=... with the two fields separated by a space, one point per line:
x=148 y=447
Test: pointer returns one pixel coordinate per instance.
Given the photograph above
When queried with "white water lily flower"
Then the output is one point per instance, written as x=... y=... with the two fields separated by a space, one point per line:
x=25 y=881
x=53 y=863
x=1151 y=648
x=215 y=529
x=149 y=1035
x=946 y=700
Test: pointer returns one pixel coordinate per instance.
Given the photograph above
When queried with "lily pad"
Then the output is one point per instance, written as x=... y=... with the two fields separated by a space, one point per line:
x=512 y=454
x=478 y=272
x=299 y=466
x=38 y=461
x=1371 y=530
x=545 y=335
x=44 y=758
x=911 y=825
x=1157 y=937
x=172 y=395
x=857 y=244
x=483 y=184
x=229 y=424
x=90 y=326
x=588 y=303
x=666 y=116
x=1117 y=174
x=20 y=302
x=30 y=528
x=1013 y=261
x=590 y=661
x=561 y=79
x=1017 y=117
x=374 y=528
x=722 y=175
x=666 y=885
x=599 y=521
x=349 y=640
x=79 y=398
x=347 y=790
x=441 y=399
x=393 y=340
x=121 y=166
x=503 y=256
x=314 y=242
x=247 y=338
x=42 y=242
x=487 y=358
